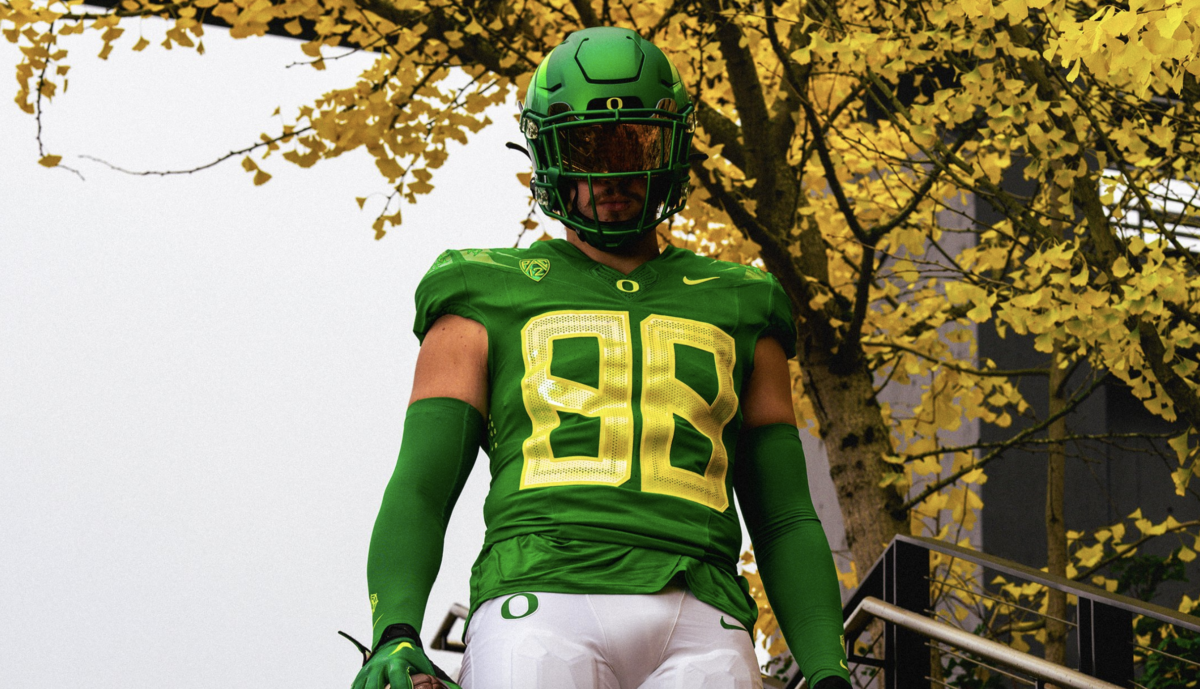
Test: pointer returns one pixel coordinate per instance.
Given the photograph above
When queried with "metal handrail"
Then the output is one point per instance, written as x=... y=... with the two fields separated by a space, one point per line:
x=871 y=607
x=1116 y=600
x=441 y=640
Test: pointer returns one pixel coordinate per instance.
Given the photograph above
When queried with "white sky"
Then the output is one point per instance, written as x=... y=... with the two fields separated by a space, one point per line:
x=202 y=383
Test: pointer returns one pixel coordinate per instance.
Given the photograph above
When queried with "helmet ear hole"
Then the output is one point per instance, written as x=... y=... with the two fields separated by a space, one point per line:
x=659 y=192
x=558 y=109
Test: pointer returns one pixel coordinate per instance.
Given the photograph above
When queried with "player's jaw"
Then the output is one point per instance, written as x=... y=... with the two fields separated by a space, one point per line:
x=615 y=201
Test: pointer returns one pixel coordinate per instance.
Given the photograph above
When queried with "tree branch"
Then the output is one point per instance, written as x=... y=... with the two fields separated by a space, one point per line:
x=722 y=131
x=748 y=97
x=1011 y=442
x=998 y=373
x=1132 y=547
x=587 y=15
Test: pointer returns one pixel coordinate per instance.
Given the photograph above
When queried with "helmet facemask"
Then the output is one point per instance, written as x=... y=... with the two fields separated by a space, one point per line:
x=643 y=151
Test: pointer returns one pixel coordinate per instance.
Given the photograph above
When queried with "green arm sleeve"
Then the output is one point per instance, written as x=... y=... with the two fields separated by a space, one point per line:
x=793 y=555
x=441 y=440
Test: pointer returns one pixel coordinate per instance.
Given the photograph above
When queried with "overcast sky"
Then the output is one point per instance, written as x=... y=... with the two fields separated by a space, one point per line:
x=203 y=383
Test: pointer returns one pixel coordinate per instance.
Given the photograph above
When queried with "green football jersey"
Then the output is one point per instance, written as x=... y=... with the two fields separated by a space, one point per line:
x=614 y=415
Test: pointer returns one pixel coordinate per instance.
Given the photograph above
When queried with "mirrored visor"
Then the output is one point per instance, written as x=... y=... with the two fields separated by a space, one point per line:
x=615 y=147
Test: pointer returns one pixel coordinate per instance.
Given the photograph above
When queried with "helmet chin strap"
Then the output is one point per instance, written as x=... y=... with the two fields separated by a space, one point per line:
x=522 y=149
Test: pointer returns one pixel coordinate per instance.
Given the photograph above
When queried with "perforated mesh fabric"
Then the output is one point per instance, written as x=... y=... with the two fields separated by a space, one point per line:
x=546 y=395
x=664 y=397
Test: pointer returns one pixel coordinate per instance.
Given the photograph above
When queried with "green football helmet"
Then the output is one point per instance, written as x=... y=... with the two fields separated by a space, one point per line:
x=607 y=109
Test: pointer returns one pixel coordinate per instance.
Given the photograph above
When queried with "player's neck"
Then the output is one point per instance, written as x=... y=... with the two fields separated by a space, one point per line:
x=624 y=260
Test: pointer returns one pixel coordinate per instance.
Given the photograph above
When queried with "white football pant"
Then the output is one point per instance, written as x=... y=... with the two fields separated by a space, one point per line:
x=664 y=640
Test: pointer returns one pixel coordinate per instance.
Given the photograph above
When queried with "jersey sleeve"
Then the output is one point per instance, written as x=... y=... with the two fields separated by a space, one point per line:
x=443 y=291
x=779 y=322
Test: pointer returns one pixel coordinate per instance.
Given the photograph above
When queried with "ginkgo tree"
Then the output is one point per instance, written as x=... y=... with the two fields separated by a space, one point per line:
x=851 y=147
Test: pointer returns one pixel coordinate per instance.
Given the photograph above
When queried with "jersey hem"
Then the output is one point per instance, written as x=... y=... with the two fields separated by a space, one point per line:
x=594 y=534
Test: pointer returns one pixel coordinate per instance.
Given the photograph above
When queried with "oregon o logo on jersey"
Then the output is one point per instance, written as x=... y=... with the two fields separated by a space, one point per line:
x=531 y=606
x=628 y=286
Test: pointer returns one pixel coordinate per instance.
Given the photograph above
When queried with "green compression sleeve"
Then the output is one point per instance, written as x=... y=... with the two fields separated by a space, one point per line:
x=790 y=548
x=441 y=440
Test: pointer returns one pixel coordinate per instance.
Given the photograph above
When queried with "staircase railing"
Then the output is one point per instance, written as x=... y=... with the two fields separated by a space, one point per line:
x=897 y=591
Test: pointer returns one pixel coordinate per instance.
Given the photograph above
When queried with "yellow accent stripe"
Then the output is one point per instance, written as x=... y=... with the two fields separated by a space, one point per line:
x=403 y=644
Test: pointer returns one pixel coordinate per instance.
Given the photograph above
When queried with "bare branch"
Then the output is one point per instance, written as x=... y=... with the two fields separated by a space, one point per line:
x=998 y=452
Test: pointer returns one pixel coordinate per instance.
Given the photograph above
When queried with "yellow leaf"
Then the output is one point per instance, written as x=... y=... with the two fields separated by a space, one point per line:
x=848 y=579
x=361 y=200
x=293 y=27
x=1182 y=477
x=1074 y=70
x=141 y=44
x=1120 y=267
x=1180 y=445
x=906 y=271
x=261 y=178
x=50 y=161
x=975 y=476
x=980 y=313
x=1187 y=554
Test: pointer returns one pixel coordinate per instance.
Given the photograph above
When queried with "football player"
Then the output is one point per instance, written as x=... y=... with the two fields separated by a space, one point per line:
x=624 y=395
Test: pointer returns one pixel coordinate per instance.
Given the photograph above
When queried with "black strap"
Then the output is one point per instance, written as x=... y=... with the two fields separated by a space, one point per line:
x=406 y=631
x=399 y=631
x=517 y=147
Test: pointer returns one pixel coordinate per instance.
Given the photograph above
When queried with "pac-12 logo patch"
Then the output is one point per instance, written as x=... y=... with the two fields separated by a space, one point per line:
x=535 y=268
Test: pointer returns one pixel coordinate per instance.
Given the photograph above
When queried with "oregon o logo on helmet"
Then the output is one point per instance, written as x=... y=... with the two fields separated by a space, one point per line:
x=531 y=606
x=628 y=286
x=614 y=103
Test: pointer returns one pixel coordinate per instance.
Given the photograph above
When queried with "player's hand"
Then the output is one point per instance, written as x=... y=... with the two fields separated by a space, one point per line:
x=401 y=664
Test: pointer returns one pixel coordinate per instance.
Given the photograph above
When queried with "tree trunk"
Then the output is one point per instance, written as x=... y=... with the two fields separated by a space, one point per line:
x=1056 y=527
x=856 y=439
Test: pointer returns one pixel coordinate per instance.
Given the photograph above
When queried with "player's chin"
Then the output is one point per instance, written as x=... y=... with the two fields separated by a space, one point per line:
x=623 y=213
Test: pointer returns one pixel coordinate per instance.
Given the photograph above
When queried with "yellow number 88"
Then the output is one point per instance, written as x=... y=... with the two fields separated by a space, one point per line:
x=663 y=397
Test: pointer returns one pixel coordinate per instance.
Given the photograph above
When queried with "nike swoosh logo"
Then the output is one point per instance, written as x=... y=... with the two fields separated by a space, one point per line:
x=732 y=626
x=403 y=645
x=689 y=281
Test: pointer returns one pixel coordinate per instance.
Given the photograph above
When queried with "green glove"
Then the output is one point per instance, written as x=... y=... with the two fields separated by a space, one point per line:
x=395 y=662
